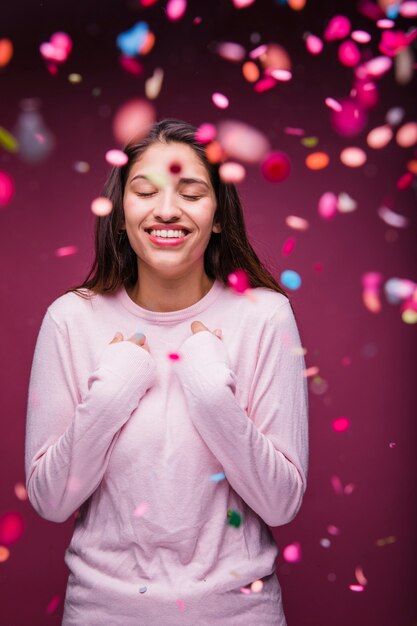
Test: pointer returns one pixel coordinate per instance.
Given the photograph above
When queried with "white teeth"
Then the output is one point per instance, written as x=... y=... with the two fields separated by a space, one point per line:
x=168 y=233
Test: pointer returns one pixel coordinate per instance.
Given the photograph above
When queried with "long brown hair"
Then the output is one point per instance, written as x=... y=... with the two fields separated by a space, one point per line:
x=115 y=261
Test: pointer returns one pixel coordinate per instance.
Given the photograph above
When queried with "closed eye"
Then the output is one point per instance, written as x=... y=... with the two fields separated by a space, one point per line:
x=145 y=195
x=193 y=198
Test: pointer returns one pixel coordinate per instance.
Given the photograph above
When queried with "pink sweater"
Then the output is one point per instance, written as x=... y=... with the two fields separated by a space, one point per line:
x=156 y=459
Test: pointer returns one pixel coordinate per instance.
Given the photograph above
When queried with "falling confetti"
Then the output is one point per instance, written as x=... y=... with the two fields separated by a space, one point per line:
x=220 y=100
x=276 y=167
x=117 y=158
x=66 y=251
x=291 y=279
x=12 y=527
x=292 y=552
x=6 y=52
x=101 y=206
x=7 y=188
x=234 y=518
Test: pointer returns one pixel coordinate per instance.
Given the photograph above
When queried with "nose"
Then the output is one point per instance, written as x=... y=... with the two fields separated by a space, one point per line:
x=167 y=206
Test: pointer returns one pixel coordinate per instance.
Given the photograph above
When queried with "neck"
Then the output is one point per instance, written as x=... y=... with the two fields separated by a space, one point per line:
x=162 y=294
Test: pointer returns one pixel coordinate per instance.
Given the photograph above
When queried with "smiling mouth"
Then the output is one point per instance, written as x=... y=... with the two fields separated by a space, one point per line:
x=167 y=240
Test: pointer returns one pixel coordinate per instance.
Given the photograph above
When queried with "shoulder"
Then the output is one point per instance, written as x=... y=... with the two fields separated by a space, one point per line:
x=259 y=306
x=70 y=306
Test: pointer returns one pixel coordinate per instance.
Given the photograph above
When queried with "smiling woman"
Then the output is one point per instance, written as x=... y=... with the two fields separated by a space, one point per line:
x=177 y=447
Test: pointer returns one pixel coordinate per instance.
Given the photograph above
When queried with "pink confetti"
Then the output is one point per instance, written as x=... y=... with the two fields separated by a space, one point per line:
x=341 y=424
x=265 y=84
x=231 y=51
x=366 y=93
x=349 y=54
x=7 y=188
x=276 y=167
x=245 y=590
x=66 y=251
x=297 y=223
x=11 y=528
x=356 y=587
x=353 y=156
x=314 y=44
x=333 y=530
x=379 y=137
x=101 y=206
x=333 y=104
x=338 y=28
x=280 y=75
x=232 y=172
x=288 y=246
x=297 y=132
x=180 y=604
x=392 y=444
x=405 y=181
x=257 y=52
x=20 y=491
x=141 y=509
x=350 y=120
x=53 y=604
x=131 y=65
x=292 y=553
x=408 y=9
x=378 y=66
x=241 y=141
x=220 y=100
x=175 y=9
x=57 y=49
x=238 y=281
x=385 y=23
x=206 y=133
x=336 y=484
x=117 y=158
x=327 y=206
x=406 y=136
x=241 y=4
x=360 y=36
x=360 y=577
x=133 y=120
x=257 y=586
x=174 y=356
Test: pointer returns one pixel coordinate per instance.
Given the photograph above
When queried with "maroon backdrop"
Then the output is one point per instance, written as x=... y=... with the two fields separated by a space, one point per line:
x=359 y=511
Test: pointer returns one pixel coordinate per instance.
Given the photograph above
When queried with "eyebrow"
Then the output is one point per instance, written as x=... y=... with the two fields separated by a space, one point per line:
x=187 y=181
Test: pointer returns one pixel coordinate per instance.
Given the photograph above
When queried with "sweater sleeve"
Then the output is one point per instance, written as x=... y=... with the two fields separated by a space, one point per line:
x=68 y=442
x=264 y=451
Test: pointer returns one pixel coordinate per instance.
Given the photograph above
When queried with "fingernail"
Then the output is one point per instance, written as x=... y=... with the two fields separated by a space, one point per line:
x=138 y=336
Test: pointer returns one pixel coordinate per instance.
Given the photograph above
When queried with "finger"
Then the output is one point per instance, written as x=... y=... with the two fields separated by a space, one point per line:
x=197 y=326
x=118 y=337
x=138 y=338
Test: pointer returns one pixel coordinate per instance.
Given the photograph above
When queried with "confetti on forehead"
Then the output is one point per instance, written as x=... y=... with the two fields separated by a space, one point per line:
x=175 y=168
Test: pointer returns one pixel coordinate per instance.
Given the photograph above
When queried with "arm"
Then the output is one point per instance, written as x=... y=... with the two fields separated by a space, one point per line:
x=68 y=443
x=264 y=453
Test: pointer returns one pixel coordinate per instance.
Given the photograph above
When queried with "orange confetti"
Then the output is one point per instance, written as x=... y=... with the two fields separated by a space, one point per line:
x=214 y=152
x=250 y=71
x=317 y=160
x=4 y=554
x=6 y=52
x=148 y=44
x=412 y=166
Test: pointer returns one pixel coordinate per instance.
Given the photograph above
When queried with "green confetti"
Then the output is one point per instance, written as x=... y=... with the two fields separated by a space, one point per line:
x=234 y=518
x=7 y=140
x=310 y=142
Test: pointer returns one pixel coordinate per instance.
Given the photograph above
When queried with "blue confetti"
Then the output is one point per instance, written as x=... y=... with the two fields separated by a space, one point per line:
x=291 y=279
x=131 y=41
x=218 y=476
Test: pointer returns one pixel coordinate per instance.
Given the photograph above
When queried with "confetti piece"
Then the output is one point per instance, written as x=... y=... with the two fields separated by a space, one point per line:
x=288 y=246
x=11 y=527
x=314 y=44
x=276 y=167
x=4 y=554
x=214 y=152
x=175 y=168
x=241 y=4
x=333 y=104
x=148 y=44
x=6 y=52
x=53 y=604
x=238 y=281
x=175 y=9
x=397 y=289
x=7 y=140
x=231 y=51
x=311 y=371
x=405 y=181
x=317 y=161
x=310 y=142
x=101 y=206
x=153 y=85
x=337 y=484
x=318 y=386
x=7 y=188
x=117 y=158
x=245 y=590
x=292 y=552
x=391 y=218
x=360 y=577
x=180 y=604
x=82 y=167
x=280 y=75
x=131 y=41
x=407 y=135
x=265 y=84
x=356 y=587
x=333 y=530
x=241 y=141
x=133 y=120
x=234 y=518
x=378 y=66
x=348 y=54
x=408 y=9
x=75 y=78
x=250 y=71
x=20 y=491
x=384 y=23
x=386 y=541
x=66 y=251
x=379 y=137
x=174 y=356
x=350 y=119
x=257 y=586
x=291 y=279
x=325 y=543
x=366 y=94
x=217 y=477
x=220 y=100
x=353 y=157
x=142 y=589
x=57 y=49
x=141 y=509
x=327 y=206
x=206 y=133
x=275 y=57
x=297 y=223
x=360 y=36
x=340 y=424
x=231 y=172
x=338 y=28
x=346 y=204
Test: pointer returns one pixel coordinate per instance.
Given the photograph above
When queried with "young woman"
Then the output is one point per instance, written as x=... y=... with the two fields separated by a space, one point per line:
x=167 y=412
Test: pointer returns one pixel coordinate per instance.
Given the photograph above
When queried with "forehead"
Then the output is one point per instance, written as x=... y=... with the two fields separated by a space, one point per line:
x=159 y=157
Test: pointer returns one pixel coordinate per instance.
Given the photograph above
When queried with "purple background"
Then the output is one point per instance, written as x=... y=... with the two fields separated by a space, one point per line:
x=51 y=209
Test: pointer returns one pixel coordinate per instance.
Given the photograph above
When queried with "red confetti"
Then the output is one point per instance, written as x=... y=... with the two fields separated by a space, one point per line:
x=276 y=167
x=11 y=528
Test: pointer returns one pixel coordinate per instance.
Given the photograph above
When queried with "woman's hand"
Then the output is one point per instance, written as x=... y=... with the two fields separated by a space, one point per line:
x=197 y=327
x=138 y=338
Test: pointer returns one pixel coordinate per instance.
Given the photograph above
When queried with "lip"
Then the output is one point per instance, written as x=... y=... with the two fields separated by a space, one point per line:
x=163 y=241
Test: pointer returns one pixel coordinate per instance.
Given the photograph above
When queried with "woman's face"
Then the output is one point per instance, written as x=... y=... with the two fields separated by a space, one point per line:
x=169 y=189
